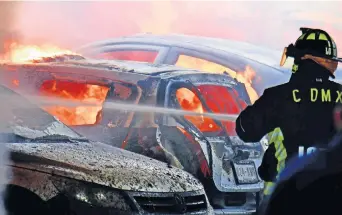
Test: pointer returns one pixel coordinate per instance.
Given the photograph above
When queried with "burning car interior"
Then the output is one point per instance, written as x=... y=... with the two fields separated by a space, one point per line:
x=93 y=118
x=75 y=91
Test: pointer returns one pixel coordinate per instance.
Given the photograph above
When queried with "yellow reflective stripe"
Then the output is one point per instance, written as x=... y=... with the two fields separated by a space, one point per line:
x=325 y=38
x=301 y=37
x=277 y=137
x=311 y=36
x=322 y=37
x=268 y=188
x=281 y=156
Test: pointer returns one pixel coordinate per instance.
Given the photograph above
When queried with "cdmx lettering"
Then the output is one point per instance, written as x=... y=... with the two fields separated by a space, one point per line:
x=323 y=95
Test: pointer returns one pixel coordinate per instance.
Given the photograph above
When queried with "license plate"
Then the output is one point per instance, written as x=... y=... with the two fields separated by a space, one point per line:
x=245 y=173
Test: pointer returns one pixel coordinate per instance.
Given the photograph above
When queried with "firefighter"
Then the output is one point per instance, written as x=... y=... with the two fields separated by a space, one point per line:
x=296 y=116
x=310 y=184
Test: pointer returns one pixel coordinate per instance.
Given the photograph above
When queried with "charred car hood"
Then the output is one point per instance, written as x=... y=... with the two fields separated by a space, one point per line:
x=104 y=165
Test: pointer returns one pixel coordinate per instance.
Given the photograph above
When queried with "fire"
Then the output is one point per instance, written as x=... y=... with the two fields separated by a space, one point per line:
x=190 y=102
x=18 y=53
x=87 y=93
x=15 y=82
x=141 y=56
x=246 y=77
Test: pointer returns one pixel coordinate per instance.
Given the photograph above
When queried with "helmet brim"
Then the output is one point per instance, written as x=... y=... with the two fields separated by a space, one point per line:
x=337 y=59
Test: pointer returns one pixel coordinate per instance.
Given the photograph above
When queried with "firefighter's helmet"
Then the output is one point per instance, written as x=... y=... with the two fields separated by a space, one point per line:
x=316 y=45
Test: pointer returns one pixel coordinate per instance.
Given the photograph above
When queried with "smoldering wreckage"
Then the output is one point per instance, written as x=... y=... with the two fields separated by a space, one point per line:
x=90 y=136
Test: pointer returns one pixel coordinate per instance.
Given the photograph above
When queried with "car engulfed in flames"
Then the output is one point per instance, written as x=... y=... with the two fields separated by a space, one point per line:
x=125 y=103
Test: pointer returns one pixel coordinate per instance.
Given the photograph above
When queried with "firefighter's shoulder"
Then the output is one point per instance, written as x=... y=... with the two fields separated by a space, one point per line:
x=276 y=90
x=335 y=85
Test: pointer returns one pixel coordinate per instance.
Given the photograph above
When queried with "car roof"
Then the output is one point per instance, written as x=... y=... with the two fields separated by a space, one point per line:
x=260 y=54
x=125 y=66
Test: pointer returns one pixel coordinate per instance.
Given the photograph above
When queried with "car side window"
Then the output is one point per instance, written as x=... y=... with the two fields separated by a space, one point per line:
x=83 y=93
x=191 y=62
x=133 y=55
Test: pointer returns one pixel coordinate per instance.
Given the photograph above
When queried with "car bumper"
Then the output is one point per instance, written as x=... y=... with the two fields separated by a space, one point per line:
x=235 y=211
x=249 y=207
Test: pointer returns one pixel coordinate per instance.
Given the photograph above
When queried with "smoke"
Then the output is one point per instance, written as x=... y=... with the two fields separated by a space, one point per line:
x=272 y=24
x=7 y=20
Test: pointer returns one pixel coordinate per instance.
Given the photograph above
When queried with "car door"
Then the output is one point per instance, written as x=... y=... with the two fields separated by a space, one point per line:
x=129 y=51
x=177 y=135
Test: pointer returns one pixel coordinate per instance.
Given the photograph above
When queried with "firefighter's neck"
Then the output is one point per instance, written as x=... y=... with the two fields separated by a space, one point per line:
x=310 y=71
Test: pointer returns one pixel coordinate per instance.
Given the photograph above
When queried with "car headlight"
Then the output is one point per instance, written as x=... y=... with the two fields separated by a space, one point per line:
x=235 y=148
x=255 y=149
x=95 y=195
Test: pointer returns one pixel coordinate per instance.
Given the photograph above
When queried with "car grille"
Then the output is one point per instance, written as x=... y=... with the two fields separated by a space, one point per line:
x=170 y=205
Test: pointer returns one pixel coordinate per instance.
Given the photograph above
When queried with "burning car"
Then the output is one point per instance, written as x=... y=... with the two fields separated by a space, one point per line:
x=54 y=170
x=203 y=53
x=195 y=52
x=135 y=106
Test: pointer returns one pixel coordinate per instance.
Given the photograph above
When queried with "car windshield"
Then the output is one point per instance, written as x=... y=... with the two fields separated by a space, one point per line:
x=22 y=118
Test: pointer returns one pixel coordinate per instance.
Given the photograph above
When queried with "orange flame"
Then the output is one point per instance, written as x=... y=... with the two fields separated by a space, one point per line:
x=18 y=53
x=190 y=102
x=246 y=77
x=80 y=115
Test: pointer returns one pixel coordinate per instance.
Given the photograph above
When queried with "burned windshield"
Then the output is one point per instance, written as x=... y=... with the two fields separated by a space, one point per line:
x=24 y=118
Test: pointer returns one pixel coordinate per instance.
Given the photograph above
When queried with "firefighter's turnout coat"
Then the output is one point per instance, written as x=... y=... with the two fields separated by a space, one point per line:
x=296 y=116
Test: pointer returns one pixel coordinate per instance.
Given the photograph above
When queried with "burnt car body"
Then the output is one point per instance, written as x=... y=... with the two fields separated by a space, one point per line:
x=54 y=170
x=195 y=52
x=133 y=114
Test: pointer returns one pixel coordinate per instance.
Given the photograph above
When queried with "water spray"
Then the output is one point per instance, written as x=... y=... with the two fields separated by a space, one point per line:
x=43 y=100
